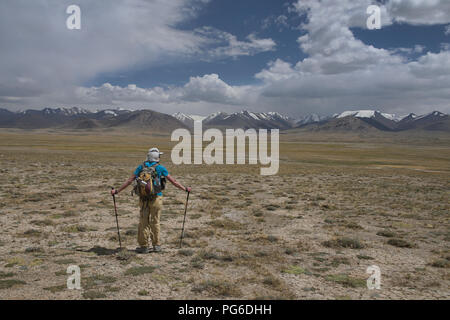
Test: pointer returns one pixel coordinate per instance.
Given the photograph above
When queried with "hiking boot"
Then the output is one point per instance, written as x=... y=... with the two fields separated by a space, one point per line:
x=142 y=250
x=157 y=248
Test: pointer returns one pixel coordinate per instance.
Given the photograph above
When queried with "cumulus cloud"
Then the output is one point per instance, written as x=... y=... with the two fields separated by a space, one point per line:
x=419 y=12
x=210 y=88
x=114 y=36
x=338 y=72
x=206 y=89
x=227 y=45
x=109 y=94
x=341 y=71
x=445 y=46
x=417 y=49
x=329 y=42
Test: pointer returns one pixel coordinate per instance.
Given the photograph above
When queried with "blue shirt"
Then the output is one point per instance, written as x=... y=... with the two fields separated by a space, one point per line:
x=161 y=171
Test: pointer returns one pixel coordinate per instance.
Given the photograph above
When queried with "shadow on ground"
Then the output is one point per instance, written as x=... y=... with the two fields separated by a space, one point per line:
x=101 y=251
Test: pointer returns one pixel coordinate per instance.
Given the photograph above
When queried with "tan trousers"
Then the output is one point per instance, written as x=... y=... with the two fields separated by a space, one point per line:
x=149 y=221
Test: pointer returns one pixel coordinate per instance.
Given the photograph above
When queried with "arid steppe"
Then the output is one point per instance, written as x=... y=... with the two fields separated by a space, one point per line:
x=338 y=205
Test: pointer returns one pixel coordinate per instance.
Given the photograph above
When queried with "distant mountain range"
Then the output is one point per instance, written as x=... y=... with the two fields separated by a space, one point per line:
x=372 y=120
x=358 y=120
x=77 y=118
x=243 y=119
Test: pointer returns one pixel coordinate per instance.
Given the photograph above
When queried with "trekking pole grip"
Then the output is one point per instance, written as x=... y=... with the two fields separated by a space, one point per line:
x=112 y=188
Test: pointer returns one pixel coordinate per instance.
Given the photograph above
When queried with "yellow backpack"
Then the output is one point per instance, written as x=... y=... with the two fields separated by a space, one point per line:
x=148 y=184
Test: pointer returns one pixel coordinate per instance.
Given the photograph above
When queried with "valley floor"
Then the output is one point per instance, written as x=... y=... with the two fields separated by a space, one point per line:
x=309 y=232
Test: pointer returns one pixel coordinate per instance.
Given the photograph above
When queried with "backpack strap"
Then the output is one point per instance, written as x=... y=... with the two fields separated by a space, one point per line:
x=152 y=166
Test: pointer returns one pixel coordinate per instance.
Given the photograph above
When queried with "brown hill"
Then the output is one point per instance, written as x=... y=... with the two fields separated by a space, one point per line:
x=84 y=123
x=346 y=124
x=147 y=119
x=434 y=121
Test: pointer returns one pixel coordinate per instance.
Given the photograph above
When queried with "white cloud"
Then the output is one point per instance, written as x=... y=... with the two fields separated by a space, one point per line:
x=280 y=22
x=109 y=94
x=447 y=30
x=37 y=45
x=417 y=12
x=114 y=36
x=434 y=66
x=225 y=44
x=329 y=42
x=278 y=70
x=210 y=88
x=409 y=51
x=199 y=94
x=417 y=86
x=445 y=46
x=339 y=70
x=418 y=48
x=425 y=12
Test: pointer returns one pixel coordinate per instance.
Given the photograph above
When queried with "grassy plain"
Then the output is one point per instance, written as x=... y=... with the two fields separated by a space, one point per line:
x=338 y=205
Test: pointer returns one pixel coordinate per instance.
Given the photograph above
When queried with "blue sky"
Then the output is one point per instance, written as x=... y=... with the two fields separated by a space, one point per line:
x=252 y=16
x=197 y=56
x=239 y=18
x=405 y=36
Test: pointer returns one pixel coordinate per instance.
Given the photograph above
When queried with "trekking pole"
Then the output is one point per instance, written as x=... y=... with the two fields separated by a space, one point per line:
x=184 y=220
x=117 y=219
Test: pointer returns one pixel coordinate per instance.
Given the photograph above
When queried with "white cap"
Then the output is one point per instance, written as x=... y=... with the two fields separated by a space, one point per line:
x=153 y=154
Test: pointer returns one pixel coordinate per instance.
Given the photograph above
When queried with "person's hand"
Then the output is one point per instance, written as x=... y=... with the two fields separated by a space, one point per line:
x=188 y=189
x=114 y=192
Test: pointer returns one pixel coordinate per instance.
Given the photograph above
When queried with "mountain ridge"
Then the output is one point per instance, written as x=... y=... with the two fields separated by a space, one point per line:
x=79 y=118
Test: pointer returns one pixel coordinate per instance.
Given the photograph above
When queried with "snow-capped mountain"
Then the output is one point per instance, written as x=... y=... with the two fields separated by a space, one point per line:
x=181 y=116
x=110 y=113
x=216 y=116
x=312 y=118
x=248 y=119
x=58 y=111
x=432 y=121
x=408 y=117
x=188 y=119
x=45 y=118
x=79 y=118
x=379 y=120
x=367 y=114
x=66 y=111
x=434 y=114
x=369 y=119
x=276 y=115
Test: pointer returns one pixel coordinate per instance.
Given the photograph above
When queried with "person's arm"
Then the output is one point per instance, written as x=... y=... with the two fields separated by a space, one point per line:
x=177 y=184
x=126 y=184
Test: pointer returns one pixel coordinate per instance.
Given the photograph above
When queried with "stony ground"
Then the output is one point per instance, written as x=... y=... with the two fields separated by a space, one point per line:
x=309 y=232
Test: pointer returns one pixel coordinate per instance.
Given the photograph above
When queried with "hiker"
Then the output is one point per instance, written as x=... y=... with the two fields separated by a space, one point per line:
x=150 y=198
